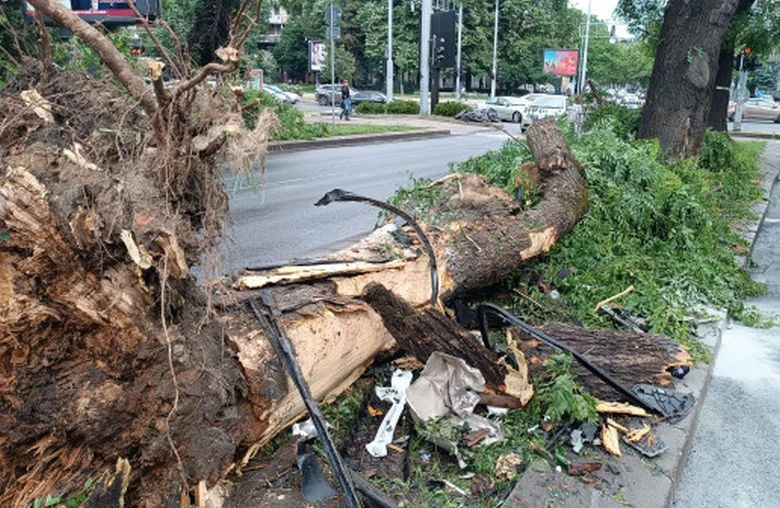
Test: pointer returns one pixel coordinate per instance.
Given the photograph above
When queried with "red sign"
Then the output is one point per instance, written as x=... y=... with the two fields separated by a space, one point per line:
x=561 y=62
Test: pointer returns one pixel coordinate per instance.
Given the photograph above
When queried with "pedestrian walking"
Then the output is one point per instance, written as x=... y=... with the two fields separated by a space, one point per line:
x=346 y=102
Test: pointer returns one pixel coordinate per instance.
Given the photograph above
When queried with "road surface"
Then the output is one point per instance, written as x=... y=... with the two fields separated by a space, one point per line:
x=278 y=222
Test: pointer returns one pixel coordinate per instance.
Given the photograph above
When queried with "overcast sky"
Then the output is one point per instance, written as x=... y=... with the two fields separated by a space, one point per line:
x=601 y=8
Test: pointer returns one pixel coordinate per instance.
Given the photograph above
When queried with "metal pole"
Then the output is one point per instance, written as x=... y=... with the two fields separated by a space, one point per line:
x=389 y=90
x=332 y=69
x=741 y=86
x=457 y=56
x=425 y=57
x=495 y=55
x=585 y=53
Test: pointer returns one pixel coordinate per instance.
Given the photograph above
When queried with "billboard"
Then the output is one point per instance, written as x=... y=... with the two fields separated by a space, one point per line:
x=560 y=62
x=317 y=54
x=107 y=12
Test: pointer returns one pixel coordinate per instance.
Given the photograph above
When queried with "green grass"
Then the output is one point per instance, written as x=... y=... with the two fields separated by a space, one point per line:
x=357 y=129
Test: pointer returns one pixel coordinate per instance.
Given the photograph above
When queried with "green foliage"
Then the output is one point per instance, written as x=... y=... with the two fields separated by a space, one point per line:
x=418 y=197
x=403 y=108
x=450 y=108
x=661 y=227
x=624 y=121
x=70 y=502
x=291 y=123
x=559 y=397
x=371 y=108
x=500 y=168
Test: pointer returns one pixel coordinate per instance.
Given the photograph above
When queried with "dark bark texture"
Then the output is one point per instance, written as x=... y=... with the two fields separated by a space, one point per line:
x=680 y=94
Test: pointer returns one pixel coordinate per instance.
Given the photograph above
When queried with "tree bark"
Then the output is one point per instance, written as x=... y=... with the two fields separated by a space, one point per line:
x=680 y=94
x=718 y=117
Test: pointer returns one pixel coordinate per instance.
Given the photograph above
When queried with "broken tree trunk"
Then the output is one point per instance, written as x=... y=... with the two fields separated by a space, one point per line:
x=109 y=350
x=630 y=358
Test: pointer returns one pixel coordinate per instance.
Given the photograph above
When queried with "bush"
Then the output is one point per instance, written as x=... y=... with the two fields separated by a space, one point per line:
x=371 y=108
x=291 y=124
x=403 y=108
x=625 y=121
x=449 y=108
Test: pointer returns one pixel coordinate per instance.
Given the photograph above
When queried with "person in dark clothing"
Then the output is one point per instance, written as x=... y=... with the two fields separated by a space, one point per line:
x=346 y=102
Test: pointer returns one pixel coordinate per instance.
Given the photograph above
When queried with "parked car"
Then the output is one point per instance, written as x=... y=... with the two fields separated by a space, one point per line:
x=757 y=108
x=289 y=97
x=279 y=97
x=323 y=93
x=632 y=101
x=505 y=108
x=546 y=107
x=368 y=96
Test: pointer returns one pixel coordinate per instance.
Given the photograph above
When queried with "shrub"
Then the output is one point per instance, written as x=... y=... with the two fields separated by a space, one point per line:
x=449 y=108
x=624 y=120
x=371 y=108
x=403 y=108
x=291 y=123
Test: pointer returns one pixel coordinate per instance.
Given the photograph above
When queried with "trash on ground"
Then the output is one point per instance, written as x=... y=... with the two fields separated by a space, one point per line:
x=477 y=115
x=679 y=371
x=396 y=394
x=306 y=429
x=671 y=404
x=506 y=466
x=314 y=485
x=576 y=441
x=447 y=486
x=446 y=385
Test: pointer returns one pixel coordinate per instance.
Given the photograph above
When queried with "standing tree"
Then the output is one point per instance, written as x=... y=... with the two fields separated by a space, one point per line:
x=683 y=80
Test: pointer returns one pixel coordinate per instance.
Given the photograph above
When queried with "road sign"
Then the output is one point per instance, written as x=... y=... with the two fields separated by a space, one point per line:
x=333 y=31
x=332 y=13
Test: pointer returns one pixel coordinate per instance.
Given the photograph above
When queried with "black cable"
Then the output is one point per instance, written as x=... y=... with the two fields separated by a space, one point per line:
x=539 y=335
x=342 y=195
x=284 y=350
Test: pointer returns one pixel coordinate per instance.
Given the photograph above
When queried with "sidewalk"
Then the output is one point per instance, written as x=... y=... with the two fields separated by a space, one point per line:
x=633 y=480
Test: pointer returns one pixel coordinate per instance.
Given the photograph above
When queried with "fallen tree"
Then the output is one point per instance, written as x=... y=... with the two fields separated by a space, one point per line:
x=108 y=347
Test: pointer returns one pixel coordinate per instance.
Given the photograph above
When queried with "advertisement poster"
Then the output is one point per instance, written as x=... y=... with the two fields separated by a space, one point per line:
x=317 y=54
x=108 y=12
x=560 y=62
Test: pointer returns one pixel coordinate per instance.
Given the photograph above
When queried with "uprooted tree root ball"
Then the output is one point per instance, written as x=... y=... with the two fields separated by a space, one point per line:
x=101 y=224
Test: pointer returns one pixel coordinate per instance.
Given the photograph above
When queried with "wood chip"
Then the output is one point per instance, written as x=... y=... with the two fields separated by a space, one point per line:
x=609 y=439
x=374 y=411
x=637 y=434
x=617 y=426
x=620 y=408
x=289 y=274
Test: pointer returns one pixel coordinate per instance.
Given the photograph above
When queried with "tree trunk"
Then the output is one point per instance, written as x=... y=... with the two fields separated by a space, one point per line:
x=718 y=117
x=108 y=348
x=680 y=93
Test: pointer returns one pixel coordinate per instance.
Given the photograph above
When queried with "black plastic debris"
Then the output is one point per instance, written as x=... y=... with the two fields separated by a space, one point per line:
x=673 y=405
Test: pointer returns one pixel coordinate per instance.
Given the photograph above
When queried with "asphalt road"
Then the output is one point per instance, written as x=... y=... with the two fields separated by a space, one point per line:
x=278 y=222
x=734 y=460
x=754 y=126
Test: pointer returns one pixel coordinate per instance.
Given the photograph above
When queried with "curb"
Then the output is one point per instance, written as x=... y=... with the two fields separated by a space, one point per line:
x=339 y=141
x=756 y=135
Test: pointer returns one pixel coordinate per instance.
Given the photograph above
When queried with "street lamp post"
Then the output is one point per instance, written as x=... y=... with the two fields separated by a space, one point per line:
x=389 y=72
x=495 y=55
x=458 y=56
x=584 y=72
x=425 y=57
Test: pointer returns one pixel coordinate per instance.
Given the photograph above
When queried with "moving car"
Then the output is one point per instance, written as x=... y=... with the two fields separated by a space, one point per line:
x=757 y=108
x=359 y=97
x=323 y=93
x=285 y=96
x=546 y=106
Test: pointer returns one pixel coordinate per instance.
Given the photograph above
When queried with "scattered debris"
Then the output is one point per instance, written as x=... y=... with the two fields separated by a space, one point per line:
x=584 y=468
x=314 y=486
x=306 y=429
x=635 y=435
x=516 y=379
x=576 y=441
x=609 y=439
x=447 y=485
x=506 y=466
x=648 y=444
x=620 y=408
x=477 y=115
x=446 y=385
x=679 y=371
x=396 y=394
x=674 y=406
x=617 y=426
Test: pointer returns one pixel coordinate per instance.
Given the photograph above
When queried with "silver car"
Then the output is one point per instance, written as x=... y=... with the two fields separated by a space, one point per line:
x=548 y=106
x=505 y=108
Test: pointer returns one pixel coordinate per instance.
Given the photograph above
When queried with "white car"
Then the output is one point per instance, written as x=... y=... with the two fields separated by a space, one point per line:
x=505 y=108
x=547 y=106
x=285 y=96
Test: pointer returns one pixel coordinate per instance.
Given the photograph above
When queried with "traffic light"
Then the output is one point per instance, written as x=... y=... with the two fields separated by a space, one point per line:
x=438 y=51
x=745 y=61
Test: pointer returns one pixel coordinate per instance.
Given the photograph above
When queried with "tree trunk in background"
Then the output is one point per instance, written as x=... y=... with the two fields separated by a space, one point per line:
x=718 y=117
x=679 y=98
